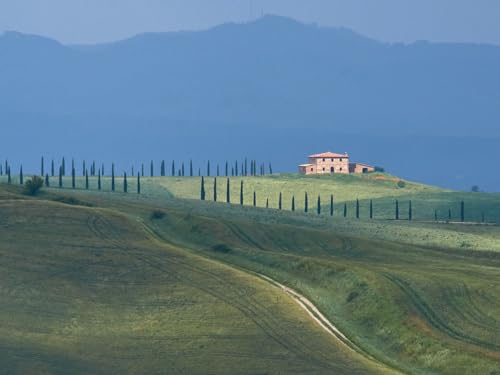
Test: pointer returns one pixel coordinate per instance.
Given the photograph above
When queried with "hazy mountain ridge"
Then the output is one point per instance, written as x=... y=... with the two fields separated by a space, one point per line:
x=274 y=73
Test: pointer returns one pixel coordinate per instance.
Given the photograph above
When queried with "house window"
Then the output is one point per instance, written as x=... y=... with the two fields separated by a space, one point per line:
x=340 y=168
x=323 y=159
x=333 y=169
x=312 y=169
x=340 y=159
x=323 y=169
x=332 y=159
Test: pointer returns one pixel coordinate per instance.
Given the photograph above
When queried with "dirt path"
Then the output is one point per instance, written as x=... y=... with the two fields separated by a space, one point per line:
x=319 y=318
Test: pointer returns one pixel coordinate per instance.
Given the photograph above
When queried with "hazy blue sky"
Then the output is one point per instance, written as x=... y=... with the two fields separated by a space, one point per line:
x=90 y=21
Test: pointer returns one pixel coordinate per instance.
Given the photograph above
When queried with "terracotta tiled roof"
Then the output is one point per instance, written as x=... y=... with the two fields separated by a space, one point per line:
x=329 y=155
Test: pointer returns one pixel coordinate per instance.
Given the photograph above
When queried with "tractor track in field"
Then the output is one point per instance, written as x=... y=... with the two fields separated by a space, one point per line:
x=240 y=299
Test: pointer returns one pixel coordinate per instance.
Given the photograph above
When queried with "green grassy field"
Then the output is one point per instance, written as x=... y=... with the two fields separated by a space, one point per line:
x=419 y=296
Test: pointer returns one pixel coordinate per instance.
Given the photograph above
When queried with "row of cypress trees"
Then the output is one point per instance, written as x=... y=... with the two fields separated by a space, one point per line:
x=397 y=213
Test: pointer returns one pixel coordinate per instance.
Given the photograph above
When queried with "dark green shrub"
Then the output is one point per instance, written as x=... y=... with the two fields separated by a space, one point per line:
x=158 y=214
x=33 y=185
x=401 y=184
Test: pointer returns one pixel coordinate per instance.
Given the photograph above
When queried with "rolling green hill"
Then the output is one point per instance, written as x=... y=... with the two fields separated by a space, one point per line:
x=418 y=296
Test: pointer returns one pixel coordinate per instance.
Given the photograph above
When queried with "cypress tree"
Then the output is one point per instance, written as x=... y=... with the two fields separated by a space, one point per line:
x=73 y=177
x=142 y=170
x=246 y=167
x=113 y=177
x=241 y=193
x=215 y=189
x=270 y=169
x=236 y=168
x=357 y=208
x=99 y=184
x=42 y=169
x=227 y=169
x=293 y=203
x=345 y=209
x=125 y=183
x=191 y=168
x=397 y=209
x=228 y=192
x=21 y=177
x=63 y=166
x=319 y=205
x=331 y=205
x=60 y=176
x=9 y=177
x=84 y=169
x=151 y=169
x=449 y=214
x=435 y=215
x=47 y=182
x=267 y=203
x=173 y=168
x=410 y=211
x=132 y=170
x=1 y=170
x=462 y=211
x=218 y=170
x=254 y=199
x=52 y=169
x=202 y=190
x=208 y=168
x=371 y=209
x=279 y=201
x=182 y=169
x=162 y=168
x=306 y=203
x=138 y=183
x=102 y=169
x=6 y=166
x=86 y=179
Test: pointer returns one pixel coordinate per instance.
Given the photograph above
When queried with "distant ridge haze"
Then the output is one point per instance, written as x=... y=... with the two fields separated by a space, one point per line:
x=282 y=87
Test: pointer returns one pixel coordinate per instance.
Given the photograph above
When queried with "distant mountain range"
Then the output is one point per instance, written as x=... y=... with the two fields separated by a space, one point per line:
x=274 y=89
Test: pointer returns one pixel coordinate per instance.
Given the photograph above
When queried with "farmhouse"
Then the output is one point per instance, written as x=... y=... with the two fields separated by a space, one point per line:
x=331 y=162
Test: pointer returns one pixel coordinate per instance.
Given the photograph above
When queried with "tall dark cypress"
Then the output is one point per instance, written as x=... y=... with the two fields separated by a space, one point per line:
x=151 y=169
x=371 y=209
x=99 y=183
x=228 y=191
x=241 y=193
x=9 y=176
x=306 y=203
x=125 y=183
x=236 y=168
x=173 y=168
x=60 y=176
x=218 y=171
x=215 y=189
x=293 y=203
x=270 y=169
x=162 y=168
x=208 y=168
x=52 y=169
x=113 y=177
x=357 y=208
x=142 y=169
x=102 y=169
x=267 y=203
x=47 y=182
x=42 y=167
x=254 y=199
x=279 y=201
x=410 y=211
x=319 y=205
x=345 y=209
x=84 y=169
x=191 y=168
x=462 y=211
x=182 y=169
x=138 y=183
x=246 y=167
x=63 y=166
x=227 y=169
x=86 y=179
x=331 y=205
x=202 y=190
x=21 y=177
x=397 y=209
x=73 y=177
